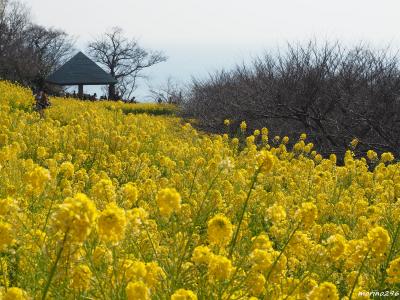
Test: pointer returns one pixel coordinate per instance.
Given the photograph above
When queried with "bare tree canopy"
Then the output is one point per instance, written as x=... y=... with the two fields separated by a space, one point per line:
x=50 y=49
x=332 y=93
x=124 y=59
x=2 y=7
x=170 y=92
x=29 y=52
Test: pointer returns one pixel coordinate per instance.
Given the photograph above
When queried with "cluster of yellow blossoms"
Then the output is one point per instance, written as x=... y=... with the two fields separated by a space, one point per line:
x=102 y=201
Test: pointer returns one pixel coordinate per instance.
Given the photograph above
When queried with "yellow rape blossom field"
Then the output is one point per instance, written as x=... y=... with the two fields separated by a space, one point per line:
x=113 y=201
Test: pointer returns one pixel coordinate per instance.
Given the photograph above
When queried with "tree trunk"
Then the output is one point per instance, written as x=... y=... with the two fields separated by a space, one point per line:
x=111 y=92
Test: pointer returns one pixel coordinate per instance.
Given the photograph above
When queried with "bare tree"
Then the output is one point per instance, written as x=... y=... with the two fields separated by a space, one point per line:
x=124 y=59
x=29 y=52
x=127 y=85
x=14 y=20
x=2 y=8
x=50 y=48
x=332 y=93
x=170 y=92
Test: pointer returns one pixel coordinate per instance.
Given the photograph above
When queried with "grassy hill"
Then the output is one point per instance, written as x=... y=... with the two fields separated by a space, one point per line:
x=122 y=201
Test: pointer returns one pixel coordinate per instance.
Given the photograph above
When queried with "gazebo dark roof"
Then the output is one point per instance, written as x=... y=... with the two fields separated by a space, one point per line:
x=80 y=70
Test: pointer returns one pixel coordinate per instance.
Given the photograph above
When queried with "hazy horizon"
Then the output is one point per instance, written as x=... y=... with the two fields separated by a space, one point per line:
x=201 y=37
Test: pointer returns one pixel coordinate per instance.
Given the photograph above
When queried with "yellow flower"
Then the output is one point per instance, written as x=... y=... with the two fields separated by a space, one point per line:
x=325 y=290
x=276 y=213
x=137 y=291
x=261 y=242
x=67 y=169
x=261 y=260
x=219 y=230
x=264 y=131
x=256 y=283
x=37 y=179
x=130 y=194
x=182 y=294
x=265 y=161
x=250 y=140
x=378 y=239
x=285 y=140
x=227 y=122
x=372 y=155
x=76 y=217
x=15 y=293
x=235 y=142
x=136 y=217
x=3 y=139
x=168 y=201
x=307 y=214
x=336 y=245
x=355 y=253
x=81 y=277
x=41 y=152
x=101 y=255
x=354 y=143
x=104 y=191
x=243 y=126
x=220 y=268
x=134 y=270
x=6 y=235
x=393 y=271
x=7 y=206
x=111 y=223
x=154 y=274
x=201 y=255
x=387 y=157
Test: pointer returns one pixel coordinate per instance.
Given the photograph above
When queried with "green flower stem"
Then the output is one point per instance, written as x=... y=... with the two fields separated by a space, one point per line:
x=4 y=275
x=389 y=257
x=246 y=203
x=191 y=230
x=281 y=253
x=54 y=267
x=358 y=275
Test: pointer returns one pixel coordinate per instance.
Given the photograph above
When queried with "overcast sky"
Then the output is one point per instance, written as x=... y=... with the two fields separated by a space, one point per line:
x=200 y=36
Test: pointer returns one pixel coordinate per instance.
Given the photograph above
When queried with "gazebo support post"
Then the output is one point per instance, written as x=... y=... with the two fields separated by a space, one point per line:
x=80 y=91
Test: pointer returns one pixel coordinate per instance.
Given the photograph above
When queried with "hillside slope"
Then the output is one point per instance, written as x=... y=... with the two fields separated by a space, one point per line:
x=100 y=202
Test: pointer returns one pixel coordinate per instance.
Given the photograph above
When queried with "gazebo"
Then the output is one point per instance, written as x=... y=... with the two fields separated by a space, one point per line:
x=80 y=70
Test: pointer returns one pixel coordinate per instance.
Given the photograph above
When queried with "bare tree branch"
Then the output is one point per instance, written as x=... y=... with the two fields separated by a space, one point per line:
x=170 y=92
x=332 y=93
x=123 y=58
x=29 y=52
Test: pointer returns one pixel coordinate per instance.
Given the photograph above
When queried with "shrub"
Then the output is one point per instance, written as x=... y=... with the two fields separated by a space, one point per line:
x=332 y=93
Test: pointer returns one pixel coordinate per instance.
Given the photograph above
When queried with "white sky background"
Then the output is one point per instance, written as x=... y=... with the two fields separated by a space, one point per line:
x=201 y=36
